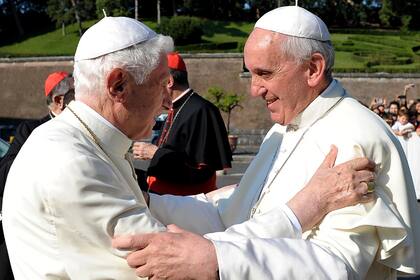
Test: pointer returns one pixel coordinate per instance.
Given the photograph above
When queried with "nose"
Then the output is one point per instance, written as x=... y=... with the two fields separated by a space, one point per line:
x=257 y=89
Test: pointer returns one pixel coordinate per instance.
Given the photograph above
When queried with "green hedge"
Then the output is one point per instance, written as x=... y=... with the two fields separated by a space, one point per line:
x=183 y=29
x=225 y=46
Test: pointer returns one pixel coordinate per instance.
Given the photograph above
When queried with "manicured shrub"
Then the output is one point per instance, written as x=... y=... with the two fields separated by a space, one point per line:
x=183 y=29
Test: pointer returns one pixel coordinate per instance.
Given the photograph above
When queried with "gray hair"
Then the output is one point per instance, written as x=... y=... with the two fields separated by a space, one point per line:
x=301 y=50
x=139 y=60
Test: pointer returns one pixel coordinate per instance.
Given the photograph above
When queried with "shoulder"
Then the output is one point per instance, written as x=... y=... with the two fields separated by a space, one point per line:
x=66 y=148
x=57 y=135
x=352 y=117
x=200 y=103
x=356 y=131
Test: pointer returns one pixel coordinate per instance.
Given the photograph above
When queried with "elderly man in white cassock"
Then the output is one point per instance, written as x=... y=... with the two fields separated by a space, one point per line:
x=290 y=58
x=79 y=188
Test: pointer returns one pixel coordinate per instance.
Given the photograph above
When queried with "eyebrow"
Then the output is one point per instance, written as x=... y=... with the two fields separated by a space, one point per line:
x=258 y=69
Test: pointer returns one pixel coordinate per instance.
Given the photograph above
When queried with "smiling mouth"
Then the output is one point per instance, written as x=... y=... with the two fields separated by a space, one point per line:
x=270 y=101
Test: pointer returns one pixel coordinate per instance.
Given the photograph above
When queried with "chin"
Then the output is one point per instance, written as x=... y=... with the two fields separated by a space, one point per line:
x=277 y=119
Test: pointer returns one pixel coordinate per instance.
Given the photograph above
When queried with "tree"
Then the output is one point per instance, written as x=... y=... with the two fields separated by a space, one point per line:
x=402 y=14
x=13 y=7
x=225 y=101
x=183 y=29
x=113 y=8
x=136 y=9
x=64 y=12
x=74 y=4
x=158 y=11
x=217 y=9
x=388 y=14
x=60 y=12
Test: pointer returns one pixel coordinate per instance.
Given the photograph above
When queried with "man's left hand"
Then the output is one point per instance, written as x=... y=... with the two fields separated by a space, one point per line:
x=175 y=254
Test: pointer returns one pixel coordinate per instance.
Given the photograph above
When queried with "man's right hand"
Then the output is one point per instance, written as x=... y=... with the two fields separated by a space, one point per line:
x=332 y=188
x=144 y=151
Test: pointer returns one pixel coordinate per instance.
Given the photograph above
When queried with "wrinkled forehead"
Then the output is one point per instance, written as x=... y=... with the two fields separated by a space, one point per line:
x=263 y=45
x=261 y=38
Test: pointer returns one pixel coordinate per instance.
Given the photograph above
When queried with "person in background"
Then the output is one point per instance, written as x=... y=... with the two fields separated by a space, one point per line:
x=381 y=110
x=394 y=107
x=403 y=127
x=389 y=119
x=59 y=91
x=393 y=110
x=193 y=143
x=407 y=88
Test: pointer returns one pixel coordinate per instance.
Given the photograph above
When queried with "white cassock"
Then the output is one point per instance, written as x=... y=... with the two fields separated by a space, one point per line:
x=411 y=147
x=366 y=241
x=66 y=197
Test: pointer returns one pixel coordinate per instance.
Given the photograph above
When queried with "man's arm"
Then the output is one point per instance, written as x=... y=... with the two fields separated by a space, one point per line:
x=235 y=237
x=195 y=213
x=88 y=211
x=203 y=216
x=329 y=189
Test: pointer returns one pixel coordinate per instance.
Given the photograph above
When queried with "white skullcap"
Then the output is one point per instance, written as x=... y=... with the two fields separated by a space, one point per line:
x=294 y=21
x=111 y=34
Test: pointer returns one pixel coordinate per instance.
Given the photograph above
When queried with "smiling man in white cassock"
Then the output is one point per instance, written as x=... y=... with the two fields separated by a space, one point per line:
x=79 y=188
x=290 y=58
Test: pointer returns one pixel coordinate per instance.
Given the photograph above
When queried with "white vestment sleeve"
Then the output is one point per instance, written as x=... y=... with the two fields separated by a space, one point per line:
x=198 y=214
x=193 y=213
x=273 y=224
x=293 y=219
x=260 y=258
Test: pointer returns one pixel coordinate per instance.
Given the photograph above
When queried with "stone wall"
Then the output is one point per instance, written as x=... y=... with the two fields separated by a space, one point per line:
x=21 y=82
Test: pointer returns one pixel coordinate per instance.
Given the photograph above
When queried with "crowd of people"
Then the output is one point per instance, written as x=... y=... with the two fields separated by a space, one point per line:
x=402 y=116
x=404 y=119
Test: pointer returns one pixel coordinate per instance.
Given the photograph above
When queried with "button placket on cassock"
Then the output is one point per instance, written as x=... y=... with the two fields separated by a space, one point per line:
x=291 y=138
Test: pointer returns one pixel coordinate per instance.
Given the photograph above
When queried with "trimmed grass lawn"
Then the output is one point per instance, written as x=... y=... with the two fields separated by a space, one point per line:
x=355 y=51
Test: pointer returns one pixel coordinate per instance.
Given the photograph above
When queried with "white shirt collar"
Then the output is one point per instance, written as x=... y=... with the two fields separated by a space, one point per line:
x=182 y=94
x=110 y=137
x=318 y=107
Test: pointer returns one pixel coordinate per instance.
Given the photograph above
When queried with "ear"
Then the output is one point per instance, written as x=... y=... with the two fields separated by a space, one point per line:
x=59 y=101
x=116 y=85
x=170 y=82
x=316 y=70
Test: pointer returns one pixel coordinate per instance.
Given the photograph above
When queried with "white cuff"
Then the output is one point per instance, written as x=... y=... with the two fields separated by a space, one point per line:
x=293 y=219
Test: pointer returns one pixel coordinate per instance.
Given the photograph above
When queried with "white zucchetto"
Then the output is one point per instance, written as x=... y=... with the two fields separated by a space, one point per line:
x=294 y=21
x=111 y=34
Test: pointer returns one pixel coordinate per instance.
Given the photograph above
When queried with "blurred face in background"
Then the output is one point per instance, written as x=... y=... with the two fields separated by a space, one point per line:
x=403 y=119
x=393 y=109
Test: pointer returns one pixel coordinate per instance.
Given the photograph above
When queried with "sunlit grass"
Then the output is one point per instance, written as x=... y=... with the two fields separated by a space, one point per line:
x=360 y=52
